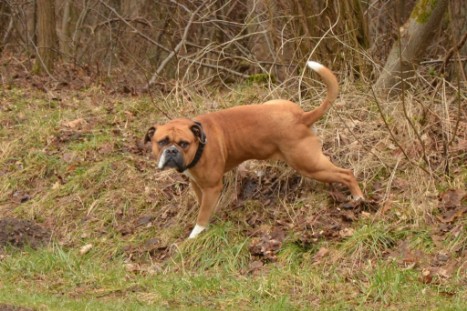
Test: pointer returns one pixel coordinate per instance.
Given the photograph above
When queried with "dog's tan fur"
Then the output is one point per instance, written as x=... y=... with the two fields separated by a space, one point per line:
x=277 y=129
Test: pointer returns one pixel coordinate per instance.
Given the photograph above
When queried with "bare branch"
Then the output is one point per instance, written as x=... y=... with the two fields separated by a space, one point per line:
x=175 y=51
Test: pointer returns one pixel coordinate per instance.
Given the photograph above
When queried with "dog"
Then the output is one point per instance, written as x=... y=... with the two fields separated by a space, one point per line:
x=209 y=145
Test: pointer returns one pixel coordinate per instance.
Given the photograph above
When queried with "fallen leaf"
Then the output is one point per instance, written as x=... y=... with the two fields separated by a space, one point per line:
x=86 y=248
x=56 y=185
x=451 y=198
x=452 y=215
x=338 y=196
x=75 y=124
x=106 y=148
x=144 y=220
x=255 y=266
x=461 y=145
x=154 y=269
x=129 y=115
x=320 y=254
x=443 y=273
x=348 y=216
x=130 y=267
x=353 y=204
x=427 y=277
x=268 y=245
x=68 y=157
x=346 y=232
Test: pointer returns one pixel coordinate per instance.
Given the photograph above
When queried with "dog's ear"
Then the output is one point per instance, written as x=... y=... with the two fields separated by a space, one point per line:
x=197 y=129
x=149 y=134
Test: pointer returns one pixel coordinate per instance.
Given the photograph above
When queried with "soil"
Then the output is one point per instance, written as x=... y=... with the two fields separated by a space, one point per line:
x=4 y=307
x=20 y=233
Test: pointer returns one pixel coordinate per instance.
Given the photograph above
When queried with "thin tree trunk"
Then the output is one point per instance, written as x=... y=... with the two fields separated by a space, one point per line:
x=65 y=29
x=415 y=38
x=47 y=41
x=458 y=13
x=6 y=24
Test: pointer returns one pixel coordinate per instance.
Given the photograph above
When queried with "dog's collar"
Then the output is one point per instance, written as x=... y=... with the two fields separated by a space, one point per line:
x=199 y=152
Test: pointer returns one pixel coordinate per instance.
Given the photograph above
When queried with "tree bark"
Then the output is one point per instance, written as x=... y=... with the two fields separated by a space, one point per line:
x=262 y=15
x=47 y=40
x=415 y=37
x=6 y=24
x=458 y=12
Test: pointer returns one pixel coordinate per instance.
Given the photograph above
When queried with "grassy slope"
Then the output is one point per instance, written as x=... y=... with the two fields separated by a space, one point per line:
x=89 y=185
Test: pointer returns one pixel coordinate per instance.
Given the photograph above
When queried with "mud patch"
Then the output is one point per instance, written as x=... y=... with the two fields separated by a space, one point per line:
x=20 y=233
x=4 y=307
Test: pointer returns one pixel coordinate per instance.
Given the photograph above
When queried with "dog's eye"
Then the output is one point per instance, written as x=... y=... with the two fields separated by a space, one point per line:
x=183 y=144
x=163 y=142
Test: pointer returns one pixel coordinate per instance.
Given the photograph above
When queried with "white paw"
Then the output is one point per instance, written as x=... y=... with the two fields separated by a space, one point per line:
x=196 y=231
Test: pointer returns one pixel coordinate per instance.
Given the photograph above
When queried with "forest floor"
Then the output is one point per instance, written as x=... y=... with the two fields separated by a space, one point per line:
x=87 y=222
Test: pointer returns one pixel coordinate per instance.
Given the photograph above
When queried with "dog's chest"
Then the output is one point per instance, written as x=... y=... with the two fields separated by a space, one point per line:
x=188 y=174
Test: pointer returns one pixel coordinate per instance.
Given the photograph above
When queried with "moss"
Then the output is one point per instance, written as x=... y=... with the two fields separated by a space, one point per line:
x=260 y=78
x=423 y=10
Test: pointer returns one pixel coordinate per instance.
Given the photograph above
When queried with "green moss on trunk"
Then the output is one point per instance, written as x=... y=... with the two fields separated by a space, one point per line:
x=423 y=10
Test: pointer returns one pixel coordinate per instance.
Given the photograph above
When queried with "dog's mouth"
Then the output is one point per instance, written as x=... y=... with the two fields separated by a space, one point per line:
x=169 y=160
x=170 y=163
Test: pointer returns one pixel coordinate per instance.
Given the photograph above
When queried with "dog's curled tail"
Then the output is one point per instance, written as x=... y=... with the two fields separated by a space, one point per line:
x=332 y=90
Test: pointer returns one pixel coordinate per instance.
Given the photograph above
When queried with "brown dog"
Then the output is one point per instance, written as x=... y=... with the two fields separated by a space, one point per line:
x=211 y=144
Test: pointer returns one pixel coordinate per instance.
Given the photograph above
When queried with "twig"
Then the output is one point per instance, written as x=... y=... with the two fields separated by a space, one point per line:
x=217 y=66
x=391 y=180
x=331 y=27
x=149 y=39
x=139 y=20
x=394 y=137
x=446 y=129
x=437 y=61
x=404 y=108
x=6 y=34
x=456 y=127
x=174 y=51
x=453 y=49
x=364 y=146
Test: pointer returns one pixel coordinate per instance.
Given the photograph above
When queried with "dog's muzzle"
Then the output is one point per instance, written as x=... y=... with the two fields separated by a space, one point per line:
x=171 y=157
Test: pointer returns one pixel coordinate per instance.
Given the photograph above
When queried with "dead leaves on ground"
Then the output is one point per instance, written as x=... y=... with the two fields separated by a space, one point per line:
x=266 y=246
x=450 y=254
x=452 y=205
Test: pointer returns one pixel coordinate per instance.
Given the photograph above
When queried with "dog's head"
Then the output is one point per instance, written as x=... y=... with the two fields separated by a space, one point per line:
x=175 y=143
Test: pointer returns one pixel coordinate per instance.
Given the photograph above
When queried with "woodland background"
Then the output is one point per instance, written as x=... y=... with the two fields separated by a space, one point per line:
x=141 y=43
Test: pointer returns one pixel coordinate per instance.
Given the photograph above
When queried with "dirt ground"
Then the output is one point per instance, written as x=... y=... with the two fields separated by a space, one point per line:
x=21 y=233
x=13 y=308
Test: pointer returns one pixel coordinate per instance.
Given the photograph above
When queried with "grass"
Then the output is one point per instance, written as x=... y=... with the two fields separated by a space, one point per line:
x=91 y=185
x=62 y=279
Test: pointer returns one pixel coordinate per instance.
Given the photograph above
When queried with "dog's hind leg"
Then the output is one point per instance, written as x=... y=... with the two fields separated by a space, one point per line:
x=308 y=159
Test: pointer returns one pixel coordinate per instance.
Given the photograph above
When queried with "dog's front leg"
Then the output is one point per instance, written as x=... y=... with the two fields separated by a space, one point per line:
x=209 y=199
x=197 y=190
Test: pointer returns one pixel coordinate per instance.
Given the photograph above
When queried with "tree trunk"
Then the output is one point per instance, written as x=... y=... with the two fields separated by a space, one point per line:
x=458 y=12
x=415 y=38
x=6 y=24
x=47 y=41
x=263 y=45
x=65 y=29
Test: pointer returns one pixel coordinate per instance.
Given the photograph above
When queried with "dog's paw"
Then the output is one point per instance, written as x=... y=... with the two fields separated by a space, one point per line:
x=196 y=231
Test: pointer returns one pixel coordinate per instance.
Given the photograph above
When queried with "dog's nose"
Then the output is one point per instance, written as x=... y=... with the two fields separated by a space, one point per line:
x=172 y=150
